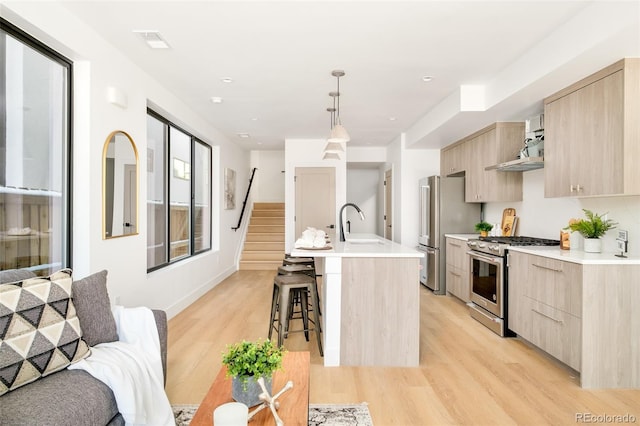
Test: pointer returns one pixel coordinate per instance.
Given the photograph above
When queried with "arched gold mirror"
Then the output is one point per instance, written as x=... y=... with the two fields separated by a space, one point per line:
x=119 y=186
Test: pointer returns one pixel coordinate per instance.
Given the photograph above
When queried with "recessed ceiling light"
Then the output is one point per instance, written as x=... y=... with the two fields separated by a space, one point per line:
x=226 y=80
x=216 y=99
x=254 y=119
x=243 y=135
x=427 y=78
x=259 y=143
x=392 y=119
x=153 y=39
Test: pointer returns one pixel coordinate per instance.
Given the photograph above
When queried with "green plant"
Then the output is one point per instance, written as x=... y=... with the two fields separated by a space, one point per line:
x=483 y=226
x=257 y=359
x=594 y=226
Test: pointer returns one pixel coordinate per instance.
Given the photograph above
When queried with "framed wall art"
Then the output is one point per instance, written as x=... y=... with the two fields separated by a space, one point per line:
x=229 y=189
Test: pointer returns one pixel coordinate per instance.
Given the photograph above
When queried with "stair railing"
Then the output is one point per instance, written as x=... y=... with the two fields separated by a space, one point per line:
x=244 y=203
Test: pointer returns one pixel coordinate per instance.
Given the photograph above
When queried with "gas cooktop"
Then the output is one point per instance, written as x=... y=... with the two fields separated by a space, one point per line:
x=521 y=241
x=499 y=245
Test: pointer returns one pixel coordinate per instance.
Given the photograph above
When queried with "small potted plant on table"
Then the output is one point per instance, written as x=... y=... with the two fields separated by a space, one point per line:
x=484 y=228
x=591 y=228
x=246 y=362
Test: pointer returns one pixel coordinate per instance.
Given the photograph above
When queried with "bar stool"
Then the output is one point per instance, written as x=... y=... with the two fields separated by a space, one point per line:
x=283 y=287
x=291 y=260
x=305 y=269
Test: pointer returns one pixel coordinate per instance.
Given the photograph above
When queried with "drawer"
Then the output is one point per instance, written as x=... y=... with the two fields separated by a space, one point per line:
x=556 y=332
x=458 y=283
x=456 y=252
x=555 y=283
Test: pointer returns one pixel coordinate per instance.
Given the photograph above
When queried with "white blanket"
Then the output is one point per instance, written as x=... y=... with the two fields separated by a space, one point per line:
x=132 y=368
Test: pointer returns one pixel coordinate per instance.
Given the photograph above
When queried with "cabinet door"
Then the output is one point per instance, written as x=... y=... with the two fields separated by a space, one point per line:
x=557 y=333
x=556 y=283
x=453 y=160
x=457 y=269
x=475 y=178
x=584 y=140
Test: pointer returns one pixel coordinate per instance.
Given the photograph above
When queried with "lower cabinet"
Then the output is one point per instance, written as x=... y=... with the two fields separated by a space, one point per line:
x=585 y=315
x=545 y=304
x=457 y=275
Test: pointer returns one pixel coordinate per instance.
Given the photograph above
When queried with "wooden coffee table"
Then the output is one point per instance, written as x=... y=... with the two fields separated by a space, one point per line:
x=294 y=403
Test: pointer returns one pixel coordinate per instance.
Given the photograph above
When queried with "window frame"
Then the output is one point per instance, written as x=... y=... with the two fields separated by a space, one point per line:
x=67 y=149
x=168 y=170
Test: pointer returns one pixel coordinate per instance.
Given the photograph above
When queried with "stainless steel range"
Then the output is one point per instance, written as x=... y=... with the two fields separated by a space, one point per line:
x=488 y=278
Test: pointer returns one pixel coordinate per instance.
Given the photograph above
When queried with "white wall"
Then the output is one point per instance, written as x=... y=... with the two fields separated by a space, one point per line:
x=362 y=190
x=268 y=184
x=308 y=153
x=97 y=66
x=545 y=217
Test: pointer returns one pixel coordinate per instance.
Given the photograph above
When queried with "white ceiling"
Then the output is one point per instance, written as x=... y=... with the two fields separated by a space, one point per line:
x=281 y=54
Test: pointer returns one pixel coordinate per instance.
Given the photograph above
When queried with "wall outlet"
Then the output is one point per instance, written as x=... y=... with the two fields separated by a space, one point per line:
x=623 y=235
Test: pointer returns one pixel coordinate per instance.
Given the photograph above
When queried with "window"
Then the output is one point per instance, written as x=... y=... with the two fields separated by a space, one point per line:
x=178 y=170
x=35 y=141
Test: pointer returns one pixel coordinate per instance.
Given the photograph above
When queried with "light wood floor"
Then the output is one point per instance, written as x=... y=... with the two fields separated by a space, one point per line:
x=467 y=375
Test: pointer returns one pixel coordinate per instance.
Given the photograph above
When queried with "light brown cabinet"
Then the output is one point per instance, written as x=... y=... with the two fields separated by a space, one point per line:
x=453 y=160
x=457 y=276
x=545 y=305
x=585 y=315
x=592 y=134
x=497 y=143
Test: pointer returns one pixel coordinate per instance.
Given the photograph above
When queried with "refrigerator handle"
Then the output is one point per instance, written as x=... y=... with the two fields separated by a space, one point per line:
x=427 y=212
x=423 y=210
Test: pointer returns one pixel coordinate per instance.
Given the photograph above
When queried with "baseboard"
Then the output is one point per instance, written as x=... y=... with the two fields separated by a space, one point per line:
x=197 y=293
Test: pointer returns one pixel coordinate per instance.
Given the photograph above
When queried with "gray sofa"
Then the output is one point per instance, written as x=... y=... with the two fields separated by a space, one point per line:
x=66 y=397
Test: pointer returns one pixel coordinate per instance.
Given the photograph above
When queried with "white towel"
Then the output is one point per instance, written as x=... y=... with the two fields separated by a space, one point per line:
x=132 y=368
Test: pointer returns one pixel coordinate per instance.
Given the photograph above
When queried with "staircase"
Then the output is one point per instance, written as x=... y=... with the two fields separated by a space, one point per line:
x=264 y=245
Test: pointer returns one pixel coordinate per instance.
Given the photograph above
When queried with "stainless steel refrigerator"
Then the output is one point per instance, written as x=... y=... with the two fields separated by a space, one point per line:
x=442 y=211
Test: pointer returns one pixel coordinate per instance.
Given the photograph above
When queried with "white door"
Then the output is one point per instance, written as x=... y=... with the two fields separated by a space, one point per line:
x=388 y=191
x=315 y=199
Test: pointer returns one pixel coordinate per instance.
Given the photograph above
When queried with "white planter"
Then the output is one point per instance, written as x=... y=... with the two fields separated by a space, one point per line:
x=592 y=245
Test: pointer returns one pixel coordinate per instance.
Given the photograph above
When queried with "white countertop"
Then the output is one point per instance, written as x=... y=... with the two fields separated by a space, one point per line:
x=578 y=256
x=360 y=245
x=463 y=237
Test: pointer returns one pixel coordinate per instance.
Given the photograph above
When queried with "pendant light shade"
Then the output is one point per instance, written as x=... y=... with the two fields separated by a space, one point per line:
x=331 y=156
x=339 y=134
x=334 y=147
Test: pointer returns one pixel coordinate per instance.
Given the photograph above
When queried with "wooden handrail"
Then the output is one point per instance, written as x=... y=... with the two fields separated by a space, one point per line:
x=246 y=197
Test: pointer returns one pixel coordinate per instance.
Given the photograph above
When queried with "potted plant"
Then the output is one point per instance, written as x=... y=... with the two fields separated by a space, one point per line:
x=591 y=228
x=484 y=228
x=246 y=362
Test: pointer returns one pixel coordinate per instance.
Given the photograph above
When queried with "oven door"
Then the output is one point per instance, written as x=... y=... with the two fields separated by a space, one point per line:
x=486 y=282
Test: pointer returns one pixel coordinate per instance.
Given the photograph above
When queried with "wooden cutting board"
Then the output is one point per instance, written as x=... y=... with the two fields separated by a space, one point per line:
x=506 y=225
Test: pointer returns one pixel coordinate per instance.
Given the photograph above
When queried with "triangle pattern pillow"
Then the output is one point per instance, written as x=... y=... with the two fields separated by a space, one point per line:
x=39 y=329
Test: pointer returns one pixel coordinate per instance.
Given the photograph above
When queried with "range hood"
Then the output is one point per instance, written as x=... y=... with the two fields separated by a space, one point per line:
x=519 y=165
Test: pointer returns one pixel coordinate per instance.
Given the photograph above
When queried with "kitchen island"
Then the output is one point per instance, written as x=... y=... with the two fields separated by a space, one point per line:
x=370 y=302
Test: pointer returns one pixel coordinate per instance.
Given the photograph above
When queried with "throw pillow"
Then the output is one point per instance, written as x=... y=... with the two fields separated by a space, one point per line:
x=39 y=330
x=92 y=303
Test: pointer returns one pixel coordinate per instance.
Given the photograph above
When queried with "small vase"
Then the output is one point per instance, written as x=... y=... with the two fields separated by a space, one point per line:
x=249 y=394
x=484 y=233
x=592 y=245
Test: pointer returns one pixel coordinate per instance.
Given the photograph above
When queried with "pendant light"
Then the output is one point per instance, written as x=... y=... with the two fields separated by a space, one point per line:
x=338 y=132
x=333 y=147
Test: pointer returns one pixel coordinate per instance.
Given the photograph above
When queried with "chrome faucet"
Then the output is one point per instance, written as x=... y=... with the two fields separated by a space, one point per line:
x=341 y=210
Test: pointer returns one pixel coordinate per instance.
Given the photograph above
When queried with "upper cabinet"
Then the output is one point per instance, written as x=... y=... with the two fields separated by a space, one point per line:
x=494 y=144
x=592 y=134
x=453 y=161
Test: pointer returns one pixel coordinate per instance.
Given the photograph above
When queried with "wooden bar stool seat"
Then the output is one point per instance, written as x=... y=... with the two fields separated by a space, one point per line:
x=284 y=287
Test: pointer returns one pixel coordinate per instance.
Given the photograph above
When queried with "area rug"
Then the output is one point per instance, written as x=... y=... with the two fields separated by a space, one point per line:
x=319 y=414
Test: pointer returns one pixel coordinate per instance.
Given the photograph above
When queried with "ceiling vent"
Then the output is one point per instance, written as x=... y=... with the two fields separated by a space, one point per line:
x=153 y=39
